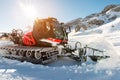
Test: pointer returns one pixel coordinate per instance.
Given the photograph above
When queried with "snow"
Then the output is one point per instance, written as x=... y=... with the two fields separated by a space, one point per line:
x=112 y=13
x=105 y=37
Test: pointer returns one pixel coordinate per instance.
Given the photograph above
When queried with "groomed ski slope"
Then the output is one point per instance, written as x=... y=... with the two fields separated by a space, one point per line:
x=106 y=37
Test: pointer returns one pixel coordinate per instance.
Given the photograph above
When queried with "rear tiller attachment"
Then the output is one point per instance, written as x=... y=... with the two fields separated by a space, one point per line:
x=80 y=53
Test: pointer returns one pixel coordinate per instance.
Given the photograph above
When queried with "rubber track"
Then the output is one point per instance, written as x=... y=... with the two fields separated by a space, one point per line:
x=27 y=53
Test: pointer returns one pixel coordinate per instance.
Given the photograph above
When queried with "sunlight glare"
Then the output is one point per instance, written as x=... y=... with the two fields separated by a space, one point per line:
x=29 y=11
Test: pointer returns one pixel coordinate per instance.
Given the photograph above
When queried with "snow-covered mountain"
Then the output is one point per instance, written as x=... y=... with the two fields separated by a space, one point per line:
x=108 y=14
x=105 y=37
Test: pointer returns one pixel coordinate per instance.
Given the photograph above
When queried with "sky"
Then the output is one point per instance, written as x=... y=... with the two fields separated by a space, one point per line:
x=21 y=14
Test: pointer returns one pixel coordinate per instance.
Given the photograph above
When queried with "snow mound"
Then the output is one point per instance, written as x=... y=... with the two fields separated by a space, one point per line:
x=106 y=38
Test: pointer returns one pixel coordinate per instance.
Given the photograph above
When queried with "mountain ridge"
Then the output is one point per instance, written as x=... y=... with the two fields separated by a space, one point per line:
x=108 y=14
